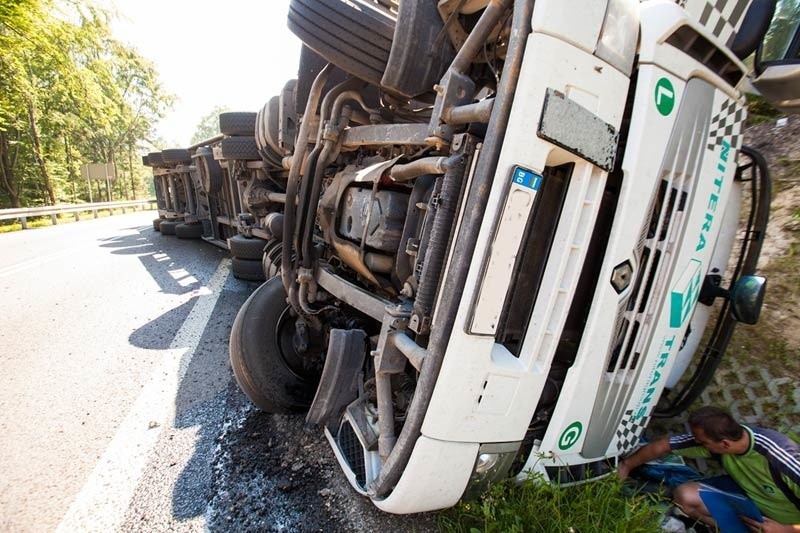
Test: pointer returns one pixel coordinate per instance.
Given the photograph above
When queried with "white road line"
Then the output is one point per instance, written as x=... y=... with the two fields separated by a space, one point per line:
x=34 y=262
x=104 y=499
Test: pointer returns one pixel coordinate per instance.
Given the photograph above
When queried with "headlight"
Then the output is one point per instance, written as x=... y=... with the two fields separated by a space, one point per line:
x=485 y=462
x=492 y=464
x=617 y=42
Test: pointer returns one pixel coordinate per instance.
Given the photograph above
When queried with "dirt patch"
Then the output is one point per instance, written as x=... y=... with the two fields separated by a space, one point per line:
x=780 y=144
x=269 y=474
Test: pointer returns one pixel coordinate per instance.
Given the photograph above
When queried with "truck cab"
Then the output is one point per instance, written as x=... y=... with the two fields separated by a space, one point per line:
x=507 y=226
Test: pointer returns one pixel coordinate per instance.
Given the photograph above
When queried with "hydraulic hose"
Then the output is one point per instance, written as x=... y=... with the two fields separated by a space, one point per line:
x=310 y=209
x=303 y=199
x=426 y=165
x=287 y=271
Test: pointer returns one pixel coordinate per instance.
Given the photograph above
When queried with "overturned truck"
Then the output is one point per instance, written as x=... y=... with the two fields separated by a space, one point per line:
x=497 y=236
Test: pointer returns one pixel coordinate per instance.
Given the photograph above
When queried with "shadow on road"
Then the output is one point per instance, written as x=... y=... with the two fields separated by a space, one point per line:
x=159 y=333
x=173 y=263
x=179 y=267
x=222 y=464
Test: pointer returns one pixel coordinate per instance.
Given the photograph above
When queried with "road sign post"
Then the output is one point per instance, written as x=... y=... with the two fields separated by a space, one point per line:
x=99 y=171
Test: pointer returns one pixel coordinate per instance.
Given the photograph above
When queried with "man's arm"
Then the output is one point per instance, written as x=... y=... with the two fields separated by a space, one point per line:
x=769 y=526
x=648 y=452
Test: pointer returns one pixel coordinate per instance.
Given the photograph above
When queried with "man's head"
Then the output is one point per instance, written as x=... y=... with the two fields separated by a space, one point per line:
x=716 y=430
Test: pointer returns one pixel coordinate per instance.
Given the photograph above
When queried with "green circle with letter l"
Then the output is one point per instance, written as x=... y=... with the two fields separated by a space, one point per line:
x=570 y=435
x=665 y=96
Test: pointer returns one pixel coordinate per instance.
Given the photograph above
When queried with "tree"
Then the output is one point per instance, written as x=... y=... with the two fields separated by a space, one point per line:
x=209 y=125
x=69 y=94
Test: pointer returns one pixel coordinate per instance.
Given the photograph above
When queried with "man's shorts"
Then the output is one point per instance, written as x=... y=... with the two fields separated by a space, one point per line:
x=725 y=483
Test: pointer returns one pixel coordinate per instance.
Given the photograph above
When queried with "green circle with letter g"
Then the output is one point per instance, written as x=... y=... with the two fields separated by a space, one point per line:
x=665 y=96
x=570 y=435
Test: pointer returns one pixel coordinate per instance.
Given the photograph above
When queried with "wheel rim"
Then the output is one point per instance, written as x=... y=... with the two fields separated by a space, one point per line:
x=295 y=362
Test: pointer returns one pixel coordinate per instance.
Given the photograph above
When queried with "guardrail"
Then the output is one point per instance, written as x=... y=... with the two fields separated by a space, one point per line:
x=53 y=210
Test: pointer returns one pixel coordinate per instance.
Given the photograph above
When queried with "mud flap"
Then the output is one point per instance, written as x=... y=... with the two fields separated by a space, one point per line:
x=338 y=385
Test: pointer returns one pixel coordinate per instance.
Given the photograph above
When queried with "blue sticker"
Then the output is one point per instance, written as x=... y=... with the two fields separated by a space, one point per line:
x=526 y=178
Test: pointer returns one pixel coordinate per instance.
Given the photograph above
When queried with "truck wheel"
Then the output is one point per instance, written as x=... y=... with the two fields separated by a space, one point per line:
x=241 y=148
x=155 y=159
x=267 y=126
x=247 y=269
x=246 y=247
x=189 y=231
x=354 y=35
x=167 y=227
x=271 y=260
x=176 y=156
x=157 y=224
x=266 y=366
x=210 y=171
x=237 y=123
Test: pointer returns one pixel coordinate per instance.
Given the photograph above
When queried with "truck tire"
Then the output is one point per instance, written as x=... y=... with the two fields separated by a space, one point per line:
x=246 y=247
x=237 y=123
x=189 y=231
x=155 y=159
x=264 y=362
x=247 y=269
x=267 y=126
x=157 y=224
x=176 y=156
x=354 y=35
x=167 y=227
x=241 y=148
x=210 y=172
x=271 y=260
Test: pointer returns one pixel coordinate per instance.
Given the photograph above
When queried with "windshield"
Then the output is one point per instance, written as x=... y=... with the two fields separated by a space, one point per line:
x=780 y=42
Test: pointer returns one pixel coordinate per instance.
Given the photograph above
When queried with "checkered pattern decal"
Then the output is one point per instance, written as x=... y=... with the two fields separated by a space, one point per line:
x=720 y=17
x=727 y=124
x=629 y=431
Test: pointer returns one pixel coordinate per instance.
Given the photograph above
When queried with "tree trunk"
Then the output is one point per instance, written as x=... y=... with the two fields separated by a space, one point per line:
x=70 y=168
x=37 y=151
x=130 y=165
x=8 y=182
x=109 y=185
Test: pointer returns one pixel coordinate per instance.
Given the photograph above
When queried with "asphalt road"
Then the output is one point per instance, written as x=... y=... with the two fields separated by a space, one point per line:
x=118 y=410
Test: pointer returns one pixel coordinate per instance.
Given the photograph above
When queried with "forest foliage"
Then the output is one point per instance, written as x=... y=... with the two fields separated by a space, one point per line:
x=70 y=94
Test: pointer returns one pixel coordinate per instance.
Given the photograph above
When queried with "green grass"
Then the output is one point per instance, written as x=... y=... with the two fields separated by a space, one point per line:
x=603 y=505
x=758 y=110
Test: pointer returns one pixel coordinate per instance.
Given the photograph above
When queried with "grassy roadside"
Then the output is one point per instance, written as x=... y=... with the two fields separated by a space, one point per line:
x=603 y=505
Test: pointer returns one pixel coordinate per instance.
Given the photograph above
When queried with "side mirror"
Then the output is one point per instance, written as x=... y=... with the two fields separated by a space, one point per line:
x=747 y=297
x=780 y=86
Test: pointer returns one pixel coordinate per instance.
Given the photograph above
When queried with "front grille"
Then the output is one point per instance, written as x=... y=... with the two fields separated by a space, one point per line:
x=698 y=47
x=660 y=234
x=352 y=451
x=563 y=475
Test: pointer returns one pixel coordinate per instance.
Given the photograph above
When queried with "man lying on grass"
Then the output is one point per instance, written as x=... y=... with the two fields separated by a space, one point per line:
x=761 y=464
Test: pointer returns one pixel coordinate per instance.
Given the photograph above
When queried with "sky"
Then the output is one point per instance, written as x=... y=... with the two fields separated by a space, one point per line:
x=234 y=53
